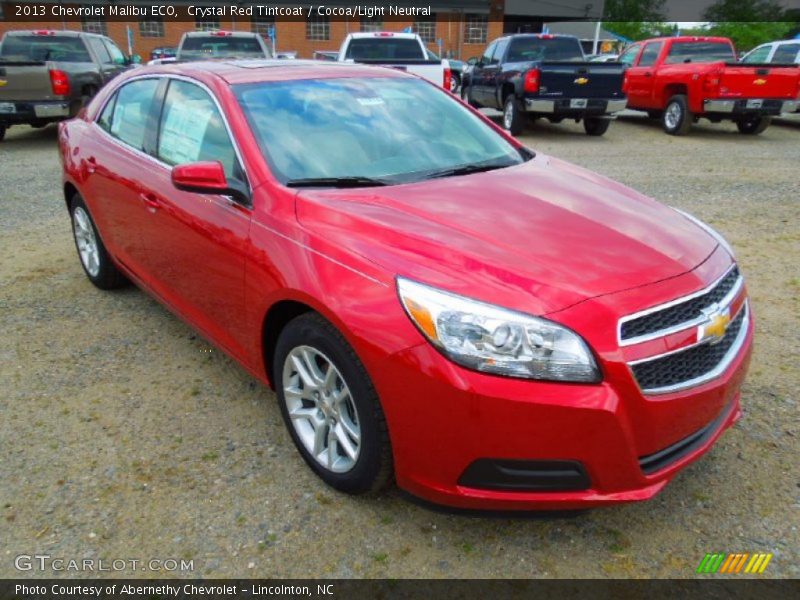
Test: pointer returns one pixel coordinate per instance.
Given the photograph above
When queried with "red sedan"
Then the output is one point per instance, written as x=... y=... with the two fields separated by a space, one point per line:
x=432 y=302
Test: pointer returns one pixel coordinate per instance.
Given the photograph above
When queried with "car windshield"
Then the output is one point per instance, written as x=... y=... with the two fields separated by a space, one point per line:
x=386 y=129
x=699 y=52
x=59 y=48
x=526 y=49
x=384 y=48
x=212 y=46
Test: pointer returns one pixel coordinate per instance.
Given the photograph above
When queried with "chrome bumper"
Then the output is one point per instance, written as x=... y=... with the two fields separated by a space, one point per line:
x=562 y=105
x=751 y=104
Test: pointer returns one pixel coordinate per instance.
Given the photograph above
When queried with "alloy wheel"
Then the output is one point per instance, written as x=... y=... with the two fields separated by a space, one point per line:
x=86 y=240
x=672 y=116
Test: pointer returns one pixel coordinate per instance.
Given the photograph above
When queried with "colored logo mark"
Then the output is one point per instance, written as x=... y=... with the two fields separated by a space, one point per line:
x=734 y=563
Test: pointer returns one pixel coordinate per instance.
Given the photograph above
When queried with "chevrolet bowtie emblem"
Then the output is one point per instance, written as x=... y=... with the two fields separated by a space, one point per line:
x=759 y=81
x=713 y=330
x=3 y=82
x=581 y=80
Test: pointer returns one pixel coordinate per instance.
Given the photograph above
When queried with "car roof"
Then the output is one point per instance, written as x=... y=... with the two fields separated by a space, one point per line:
x=46 y=31
x=383 y=34
x=688 y=38
x=261 y=70
x=220 y=33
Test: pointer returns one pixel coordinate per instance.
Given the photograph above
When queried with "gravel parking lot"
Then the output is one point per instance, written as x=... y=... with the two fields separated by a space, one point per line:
x=124 y=435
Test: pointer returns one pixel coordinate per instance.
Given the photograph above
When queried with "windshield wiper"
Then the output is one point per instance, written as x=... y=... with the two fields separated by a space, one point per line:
x=468 y=169
x=340 y=182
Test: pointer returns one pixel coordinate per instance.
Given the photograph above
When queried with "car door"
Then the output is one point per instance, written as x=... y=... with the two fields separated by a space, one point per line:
x=114 y=159
x=641 y=76
x=104 y=61
x=117 y=57
x=628 y=58
x=493 y=74
x=197 y=243
x=478 y=79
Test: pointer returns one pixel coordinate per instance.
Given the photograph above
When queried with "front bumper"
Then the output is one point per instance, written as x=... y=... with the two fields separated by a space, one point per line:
x=762 y=106
x=575 y=106
x=29 y=111
x=444 y=418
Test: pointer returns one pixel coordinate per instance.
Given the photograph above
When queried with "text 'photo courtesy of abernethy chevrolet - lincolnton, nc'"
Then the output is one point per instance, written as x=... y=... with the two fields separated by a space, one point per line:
x=432 y=302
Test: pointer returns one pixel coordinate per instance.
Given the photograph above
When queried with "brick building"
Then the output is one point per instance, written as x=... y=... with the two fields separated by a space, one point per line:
x=456 y=28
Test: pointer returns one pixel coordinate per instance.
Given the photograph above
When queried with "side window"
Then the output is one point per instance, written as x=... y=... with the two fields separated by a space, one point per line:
x=131 y=110
x=105 y=117
x=499 y=51
x=650 y=54
x=786 y=54
x=629 y=55
x=486 y=59
x=192 y=130
x=759 y=55
x=99 y=50
x=117 y=57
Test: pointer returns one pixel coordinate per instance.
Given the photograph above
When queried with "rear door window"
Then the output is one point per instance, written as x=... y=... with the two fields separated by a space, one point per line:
x=650 y=54
x=117 y=57
x=759 y=55
x=132 y=111
x=100 y=50
x=786 y=54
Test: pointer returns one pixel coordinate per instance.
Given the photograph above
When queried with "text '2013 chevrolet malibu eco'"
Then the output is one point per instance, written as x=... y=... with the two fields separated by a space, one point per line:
x=433 y=303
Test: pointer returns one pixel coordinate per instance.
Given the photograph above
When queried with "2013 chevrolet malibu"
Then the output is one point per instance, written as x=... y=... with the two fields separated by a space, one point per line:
x=432 y=302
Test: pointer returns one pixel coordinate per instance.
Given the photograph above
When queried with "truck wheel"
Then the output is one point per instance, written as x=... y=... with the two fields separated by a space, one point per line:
x=455 y=82
x=677 y=120
x=753 y=125
x=2 y=132
x=595 y=126
x=513 y=116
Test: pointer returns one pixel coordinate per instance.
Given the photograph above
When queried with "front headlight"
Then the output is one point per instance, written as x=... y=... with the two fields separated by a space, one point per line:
x=709 y=230
x=496 y=340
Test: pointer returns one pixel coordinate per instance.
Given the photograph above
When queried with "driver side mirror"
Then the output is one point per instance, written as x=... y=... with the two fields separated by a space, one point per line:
x=208 y=177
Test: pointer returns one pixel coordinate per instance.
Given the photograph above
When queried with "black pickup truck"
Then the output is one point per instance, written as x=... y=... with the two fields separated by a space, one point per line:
x=542 y=75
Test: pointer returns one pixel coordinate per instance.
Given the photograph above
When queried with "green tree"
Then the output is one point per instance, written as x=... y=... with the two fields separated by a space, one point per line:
x=636 y=19
x=748 y=24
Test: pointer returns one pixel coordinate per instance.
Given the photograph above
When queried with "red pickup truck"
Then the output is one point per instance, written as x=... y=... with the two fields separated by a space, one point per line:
x=681 y=79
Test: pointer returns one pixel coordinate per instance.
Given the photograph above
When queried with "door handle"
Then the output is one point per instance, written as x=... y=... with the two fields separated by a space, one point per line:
x=91 y=165
x=150 y=201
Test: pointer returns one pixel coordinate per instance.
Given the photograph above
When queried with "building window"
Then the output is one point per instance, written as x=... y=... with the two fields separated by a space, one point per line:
x=373 y=24
x=318 y=28
x=476 y=29
x=206 y=23
x=94 y=25
x=426 y=29
x=152 y=27
x=262 y=25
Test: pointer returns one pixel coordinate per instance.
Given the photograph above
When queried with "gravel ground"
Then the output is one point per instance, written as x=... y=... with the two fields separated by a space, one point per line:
x=124 y=435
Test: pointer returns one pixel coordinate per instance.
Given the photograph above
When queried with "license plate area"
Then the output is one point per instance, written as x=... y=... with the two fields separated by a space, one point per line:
x=578 y=103
x=7 y=108
x=754 y=104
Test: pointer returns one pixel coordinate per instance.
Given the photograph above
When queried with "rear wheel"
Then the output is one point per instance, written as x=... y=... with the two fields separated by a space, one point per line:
x=330 y=406
x=95 y=260
x=513 y=116
x=753 y=125
x=677 y=120
x=595 y=125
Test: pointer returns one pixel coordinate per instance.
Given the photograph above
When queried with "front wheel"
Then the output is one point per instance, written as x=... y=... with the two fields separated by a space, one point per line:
x=753 y=125
x=95 y=260
x=330 y=406
x=513 y=116
x=677 y=120
x=595 y=125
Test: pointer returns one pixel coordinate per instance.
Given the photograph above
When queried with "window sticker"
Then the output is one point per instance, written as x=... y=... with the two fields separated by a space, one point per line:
x=183 y=131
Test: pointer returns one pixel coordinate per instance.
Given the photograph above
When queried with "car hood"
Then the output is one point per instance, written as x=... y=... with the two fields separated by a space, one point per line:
x=536 y=237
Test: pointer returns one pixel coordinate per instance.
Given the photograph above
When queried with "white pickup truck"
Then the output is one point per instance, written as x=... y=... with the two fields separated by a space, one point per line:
x=404 y=51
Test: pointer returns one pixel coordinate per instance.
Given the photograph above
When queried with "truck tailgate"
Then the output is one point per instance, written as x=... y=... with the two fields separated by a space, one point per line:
x=25 y=81
x=759 y=81
x=581 y=79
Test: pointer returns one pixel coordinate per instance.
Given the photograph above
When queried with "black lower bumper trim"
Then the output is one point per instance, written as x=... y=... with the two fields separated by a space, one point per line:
x=525 y=475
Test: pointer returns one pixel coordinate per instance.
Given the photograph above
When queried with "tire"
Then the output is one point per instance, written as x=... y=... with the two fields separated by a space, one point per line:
x=314 y=343
x=455 y=84
x=2 y=132
x=595 y=126
x=96 y=261
x=753 y=125
x=513 y=116
x=676 y=119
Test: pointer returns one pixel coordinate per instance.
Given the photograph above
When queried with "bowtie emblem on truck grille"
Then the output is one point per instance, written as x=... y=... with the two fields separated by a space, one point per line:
x=759 y=81
x=716 y=324
x=3 y=82
x=581 y=80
